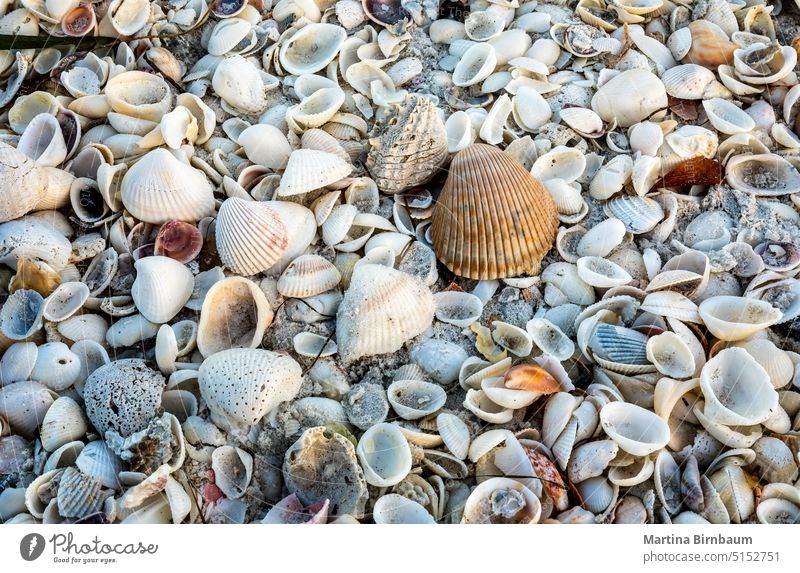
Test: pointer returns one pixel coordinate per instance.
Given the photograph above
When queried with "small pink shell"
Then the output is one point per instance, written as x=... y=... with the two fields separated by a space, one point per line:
x=178 y=240
x=79 y=21
x=777 y=256
x=291 y=510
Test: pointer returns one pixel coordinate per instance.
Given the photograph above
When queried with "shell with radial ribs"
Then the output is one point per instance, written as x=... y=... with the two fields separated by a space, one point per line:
x=493 y=218
x=409 y=147
x=382 y=309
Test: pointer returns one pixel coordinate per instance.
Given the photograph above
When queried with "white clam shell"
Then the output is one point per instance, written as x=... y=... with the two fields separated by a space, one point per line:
x=394 y=509
x=457 y=308
x=311 y=48
x=157 y=297
x=734 y=318
x=56 y=366
x=762 y=174
x=687 y=81
x=475 y=65
x=602 y=273
x=479 y=508
x=24 y=405
x=308 y=275
x=139 y=94
x=64 y=422
x=636 y=430
x=240 y=85
x=233 y=470
x=601 y=239
x=455 y=434
x=384 y=455
x=43 y=140
x=615 y=101
x=482 y=406
x=414 y=399
x=670 y=355
x=550 y=339
x=727 y=117
x=309 y=169
x=645 y=137
x=531 y=111
x=566 y=163
x=737 y=389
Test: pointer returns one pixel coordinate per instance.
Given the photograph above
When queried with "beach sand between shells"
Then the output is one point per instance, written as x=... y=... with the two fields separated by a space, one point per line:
x=400 y=262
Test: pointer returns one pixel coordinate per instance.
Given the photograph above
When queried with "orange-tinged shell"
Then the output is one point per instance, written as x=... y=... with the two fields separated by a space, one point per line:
x=410 y=146
x=493 y=219
x=709 y=48
x=34 y=275
x=552 y=482
x=532 y=378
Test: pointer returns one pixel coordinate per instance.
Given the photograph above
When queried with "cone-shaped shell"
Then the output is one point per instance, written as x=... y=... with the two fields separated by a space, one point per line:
x=244 y=384
x=493 y=219
x=382 y=309
x=159 y=187
x=22 y=183
x=410 y=146
x=250 y=235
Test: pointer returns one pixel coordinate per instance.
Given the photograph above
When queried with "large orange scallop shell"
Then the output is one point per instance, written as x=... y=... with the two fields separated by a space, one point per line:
x=710 y=48
x=493 y=218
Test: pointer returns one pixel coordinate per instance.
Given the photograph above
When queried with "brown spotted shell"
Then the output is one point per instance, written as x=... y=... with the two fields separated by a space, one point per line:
x=493 y=218
x=410 y=148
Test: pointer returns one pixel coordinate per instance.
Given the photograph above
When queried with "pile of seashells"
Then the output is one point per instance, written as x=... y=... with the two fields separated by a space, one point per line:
x=391 y=261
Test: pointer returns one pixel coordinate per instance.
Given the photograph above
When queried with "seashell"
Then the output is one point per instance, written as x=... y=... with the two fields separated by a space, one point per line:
x=601 y=239
x=484 y=408
x=56 y=366
x=64 y=301
x=583 y=121
x=636 y=430
x=512 y=338
x=308 y=169
x=670 y=355
x=512 y=399
x=531 y=111
x=17 y=362
x=139 y=94
x=157 y=299
x=734 y=318
x=475 y=65
x=619 y=345
x=639 y=214
x=761 y=63
x=671 y=304
x=538 y=207
x=159 y=187
x=79 y=495
x=737 y=390
x=43 y=141
x=455 y=434
x=726 y=117
x=308 y=275
x=502 y=500
x=290 y=510
x=710 y=46
x=483 y=26
x=410 y=147
x=777 y=256
x=123 y=395
x=762 y=175
x=64 y=422
x=613 y=100
x=264 y=380
x=687 y=81
x=233 y=470
x=633 y=474
x=384 y=454
x=19 y=173
x=243 y=224
x=774 y=360
x=415 y=399
x=439 y=359
x=311 y=48
x=392 y=509
x=457 y=308
x=591 y=459
x=778 y=511
x=313 y=345
x=178 y=240
x=24 y=405
x=240 y=85
x=338 y=224
x=79 y=21
x=84 y=327
x=602 y=273
x=381 y=310
x=235 y=314
x=21 y=314
x=227 y=35
x=774 y=460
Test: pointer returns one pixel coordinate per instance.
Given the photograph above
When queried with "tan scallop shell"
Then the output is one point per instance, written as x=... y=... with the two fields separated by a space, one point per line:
x=251 y=236
x=493 y=219
x=411 y=145
x=381 y=310
x=308 y=275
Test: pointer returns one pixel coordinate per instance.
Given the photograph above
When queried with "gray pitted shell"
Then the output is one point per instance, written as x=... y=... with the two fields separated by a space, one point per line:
x=123 y=395
x=321 y=465
x=409 y=146
x=366 y=405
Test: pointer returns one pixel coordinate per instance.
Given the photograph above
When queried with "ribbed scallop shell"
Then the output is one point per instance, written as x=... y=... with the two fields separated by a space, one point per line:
x=308 y=275
x=309 y=169
x=244 y=384
x=382 y=309
x=98 y=461
x=493 y=219
x=78 y=494
x=640 y=214
x=63 y=423
x=250 y=236
x=161 y=288
x=24 y=405
x=159 y=187
x=409 y=147
x=455 y=434
x=22 y=183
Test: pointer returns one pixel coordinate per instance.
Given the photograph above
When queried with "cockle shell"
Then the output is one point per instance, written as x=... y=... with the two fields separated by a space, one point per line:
x=384 y=454
x=382 y=309
x=409 y=147
x=160 y=187
x=43 y=141
x=311 y=48
x=475 y=65
x=309 y=169
x=727 y=117
x=64 y=422
x=614 y=101
x=22 y=183
x=139 y=94
x=635 y=430
x=493 y=218
x=235 y=314
x=502 y=500
x=737 y=389
x=639 y=214
x=250 y=236
x=240 y=85
x=308 y=275
x=24 y=405
x=161 y=288
x=21 y=314
x=263 y=378
x=762 y=175
x=415 y=399
x=670 y=355
x=735 y=318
